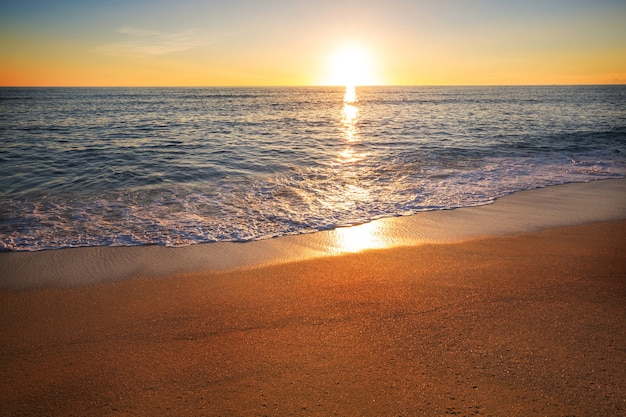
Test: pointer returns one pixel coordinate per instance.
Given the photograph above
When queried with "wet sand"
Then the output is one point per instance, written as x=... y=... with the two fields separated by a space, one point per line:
x=521 y=212
x=525 y=325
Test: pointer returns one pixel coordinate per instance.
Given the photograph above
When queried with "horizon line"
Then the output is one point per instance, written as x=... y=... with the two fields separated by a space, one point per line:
x=315 y=85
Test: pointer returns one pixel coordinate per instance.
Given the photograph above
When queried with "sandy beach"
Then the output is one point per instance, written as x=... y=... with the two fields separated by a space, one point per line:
x=313 y=208
x=526 y=325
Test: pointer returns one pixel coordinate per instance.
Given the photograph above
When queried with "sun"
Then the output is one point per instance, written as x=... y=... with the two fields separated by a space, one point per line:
x=351 y=65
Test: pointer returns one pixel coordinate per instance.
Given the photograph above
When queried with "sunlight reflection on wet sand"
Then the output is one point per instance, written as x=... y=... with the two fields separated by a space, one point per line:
x=361 y=237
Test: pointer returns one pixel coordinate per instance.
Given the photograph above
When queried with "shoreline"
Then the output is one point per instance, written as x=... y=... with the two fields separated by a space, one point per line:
x=520 y=212
x=526 y=325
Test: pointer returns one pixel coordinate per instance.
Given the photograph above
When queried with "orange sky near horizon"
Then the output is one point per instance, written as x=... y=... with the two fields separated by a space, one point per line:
x=277 y=43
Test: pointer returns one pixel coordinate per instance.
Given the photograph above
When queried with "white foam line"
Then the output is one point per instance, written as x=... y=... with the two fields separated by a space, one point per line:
x=521 y=212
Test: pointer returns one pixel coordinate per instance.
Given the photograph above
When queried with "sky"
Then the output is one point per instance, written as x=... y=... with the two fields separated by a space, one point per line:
x=323 y=42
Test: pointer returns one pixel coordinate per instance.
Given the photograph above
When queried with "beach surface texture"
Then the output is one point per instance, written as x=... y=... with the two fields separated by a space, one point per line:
x=468 y=318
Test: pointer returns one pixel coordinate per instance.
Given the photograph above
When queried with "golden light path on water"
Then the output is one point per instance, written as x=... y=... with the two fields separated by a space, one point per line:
x=369 y=235
x=350 y=132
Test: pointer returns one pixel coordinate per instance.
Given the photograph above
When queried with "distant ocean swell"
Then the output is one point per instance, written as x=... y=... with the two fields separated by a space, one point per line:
x=93 y=167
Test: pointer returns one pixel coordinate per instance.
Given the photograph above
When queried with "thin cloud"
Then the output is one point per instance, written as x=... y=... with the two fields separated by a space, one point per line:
x=144 y=42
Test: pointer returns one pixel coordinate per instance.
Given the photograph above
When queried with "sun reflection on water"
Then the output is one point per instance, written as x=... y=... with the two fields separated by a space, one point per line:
x=349 y=122
x=350 y=94
x=368 y=235
x=350 y=129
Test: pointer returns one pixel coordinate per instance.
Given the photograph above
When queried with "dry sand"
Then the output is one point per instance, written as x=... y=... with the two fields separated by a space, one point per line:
x=528 y=325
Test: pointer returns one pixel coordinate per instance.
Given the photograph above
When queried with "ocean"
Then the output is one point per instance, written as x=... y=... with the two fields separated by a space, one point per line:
x=180 y=166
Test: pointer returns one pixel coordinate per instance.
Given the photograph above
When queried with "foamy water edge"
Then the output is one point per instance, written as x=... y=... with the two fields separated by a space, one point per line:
x=526 y=211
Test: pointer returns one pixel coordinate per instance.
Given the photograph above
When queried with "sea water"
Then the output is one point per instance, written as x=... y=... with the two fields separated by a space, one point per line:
x=179 y=166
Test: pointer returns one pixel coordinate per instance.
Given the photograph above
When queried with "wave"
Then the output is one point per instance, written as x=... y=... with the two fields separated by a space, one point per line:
x=172 y=167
